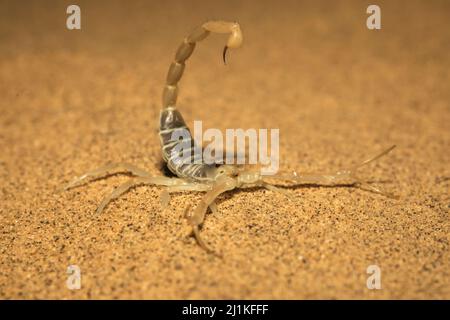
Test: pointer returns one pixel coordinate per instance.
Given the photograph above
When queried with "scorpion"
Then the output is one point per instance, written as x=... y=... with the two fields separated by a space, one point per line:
x=213 y=179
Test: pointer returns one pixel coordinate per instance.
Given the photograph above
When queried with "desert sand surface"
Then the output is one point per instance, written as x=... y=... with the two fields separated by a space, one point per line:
x=74 y=100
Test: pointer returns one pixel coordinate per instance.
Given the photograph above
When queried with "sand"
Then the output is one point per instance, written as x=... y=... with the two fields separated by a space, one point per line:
x=72 y=101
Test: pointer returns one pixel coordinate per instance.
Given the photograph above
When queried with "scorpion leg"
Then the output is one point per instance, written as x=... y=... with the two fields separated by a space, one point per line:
x=288 y=194
x=213 y=207
x=345 y=176
x=165 y=195
x=196 y=218
x=185 y=186
x=102 y=171
x=121 y=189
x=165 y=198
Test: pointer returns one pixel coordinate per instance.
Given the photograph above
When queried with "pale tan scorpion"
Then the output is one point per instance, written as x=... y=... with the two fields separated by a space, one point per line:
x=211 y=179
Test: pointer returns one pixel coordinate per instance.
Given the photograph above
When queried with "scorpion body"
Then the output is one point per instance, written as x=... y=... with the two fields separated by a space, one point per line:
x=194 y=175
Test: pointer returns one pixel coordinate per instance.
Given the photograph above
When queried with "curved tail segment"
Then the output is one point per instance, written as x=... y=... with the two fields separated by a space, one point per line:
x=171 y=119
x=185 y=50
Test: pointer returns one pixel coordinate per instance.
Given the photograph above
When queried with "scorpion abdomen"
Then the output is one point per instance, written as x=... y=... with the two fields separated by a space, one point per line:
x=179 y=148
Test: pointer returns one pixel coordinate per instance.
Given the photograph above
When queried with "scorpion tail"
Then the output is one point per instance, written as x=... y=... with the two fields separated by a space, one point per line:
x=185 y=50
x=172 y=126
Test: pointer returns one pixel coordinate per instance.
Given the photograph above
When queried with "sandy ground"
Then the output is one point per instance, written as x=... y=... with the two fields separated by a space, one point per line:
x=75 y=100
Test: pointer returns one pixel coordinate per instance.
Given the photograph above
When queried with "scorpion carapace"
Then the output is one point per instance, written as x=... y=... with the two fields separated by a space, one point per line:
x=202 y=177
